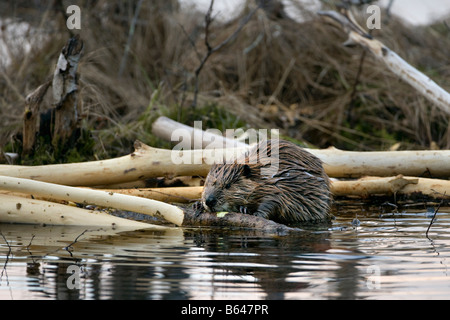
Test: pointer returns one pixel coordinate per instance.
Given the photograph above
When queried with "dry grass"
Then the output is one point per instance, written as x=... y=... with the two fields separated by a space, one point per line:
x=278 y=73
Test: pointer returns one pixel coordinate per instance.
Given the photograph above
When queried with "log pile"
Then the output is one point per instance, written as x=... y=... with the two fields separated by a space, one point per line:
x=40 y=194
x=40 y=189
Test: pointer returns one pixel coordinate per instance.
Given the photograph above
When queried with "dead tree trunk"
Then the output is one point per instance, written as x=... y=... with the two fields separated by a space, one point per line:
x=31 y=116
x=65 y=89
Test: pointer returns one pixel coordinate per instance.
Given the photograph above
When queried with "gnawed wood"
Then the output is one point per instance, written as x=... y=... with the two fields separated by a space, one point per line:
x=15 y=209
x=364 y=187
x=86 y=196
x=147 y=162
x=354 y=164
x=169 y=194
x=369 y=186
x=195 y=138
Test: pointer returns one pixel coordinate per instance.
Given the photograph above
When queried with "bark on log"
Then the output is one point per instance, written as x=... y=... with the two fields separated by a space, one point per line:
x=16 y=209
x=236 y=220
x=65 y=89
x=31 y=117
x=423 y=84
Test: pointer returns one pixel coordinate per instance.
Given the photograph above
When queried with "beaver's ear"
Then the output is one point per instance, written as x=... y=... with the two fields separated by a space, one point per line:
x=246 y=170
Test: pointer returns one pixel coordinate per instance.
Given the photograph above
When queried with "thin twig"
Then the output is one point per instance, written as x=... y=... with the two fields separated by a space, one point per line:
x=434 y=216
x=130 y=38
x=7 y=258
x=28 y=248
x=68 y=247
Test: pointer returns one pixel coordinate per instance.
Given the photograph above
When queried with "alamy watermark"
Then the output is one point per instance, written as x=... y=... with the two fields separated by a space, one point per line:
x=74 y=18
x=374 y=20
x=214 y=147
x=73 y=281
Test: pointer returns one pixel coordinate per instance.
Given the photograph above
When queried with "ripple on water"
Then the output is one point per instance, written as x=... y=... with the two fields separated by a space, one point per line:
x=387 y=256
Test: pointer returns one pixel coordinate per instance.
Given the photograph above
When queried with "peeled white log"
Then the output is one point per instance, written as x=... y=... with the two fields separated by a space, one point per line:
x=169 y=194
x=353 y=164
x=102 y=198
x=145 y=162
x=366 y=186
x=174 y=131
x=419 y=81
x=434 y=188
x=30 y=211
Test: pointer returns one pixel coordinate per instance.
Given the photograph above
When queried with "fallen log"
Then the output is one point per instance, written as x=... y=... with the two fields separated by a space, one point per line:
x=368 y=186
x=198 y=218
x=364 y=187
x=15 y=209
x=352 y=164
x=101 y=198
x=169 y=194
x=197 y=138
x=147 y=162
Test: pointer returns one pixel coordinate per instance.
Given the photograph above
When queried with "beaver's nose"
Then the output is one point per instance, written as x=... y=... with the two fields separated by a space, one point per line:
x=211 y=202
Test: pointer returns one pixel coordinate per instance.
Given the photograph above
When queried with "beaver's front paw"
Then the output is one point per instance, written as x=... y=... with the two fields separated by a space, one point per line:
x=198 y=208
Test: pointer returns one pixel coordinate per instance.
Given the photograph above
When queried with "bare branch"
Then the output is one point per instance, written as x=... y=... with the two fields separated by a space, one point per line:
x=419 y=81
x=211 y=49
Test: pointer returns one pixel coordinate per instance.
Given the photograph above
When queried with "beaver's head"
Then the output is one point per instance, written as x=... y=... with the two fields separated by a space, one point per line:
x=227 y=187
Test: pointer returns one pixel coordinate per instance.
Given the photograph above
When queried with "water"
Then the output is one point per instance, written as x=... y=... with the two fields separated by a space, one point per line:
x=386 y=256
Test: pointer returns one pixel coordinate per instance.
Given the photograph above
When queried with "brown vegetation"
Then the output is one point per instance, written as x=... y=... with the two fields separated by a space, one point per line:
x=276 y=73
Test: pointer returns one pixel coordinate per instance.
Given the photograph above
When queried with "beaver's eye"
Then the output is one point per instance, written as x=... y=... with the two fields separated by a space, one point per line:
x=228 y=185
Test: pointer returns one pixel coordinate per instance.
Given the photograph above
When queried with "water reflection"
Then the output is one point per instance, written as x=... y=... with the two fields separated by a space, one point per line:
x=384 y=257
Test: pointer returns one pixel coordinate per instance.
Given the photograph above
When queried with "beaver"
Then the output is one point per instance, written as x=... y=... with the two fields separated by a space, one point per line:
x=276 y=180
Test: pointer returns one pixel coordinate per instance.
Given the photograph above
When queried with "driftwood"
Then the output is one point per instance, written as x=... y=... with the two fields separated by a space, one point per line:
x=147 y=162
x=423 y=84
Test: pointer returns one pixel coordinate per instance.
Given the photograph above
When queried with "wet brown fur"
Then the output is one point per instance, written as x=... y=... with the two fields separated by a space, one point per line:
x=298 y=191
